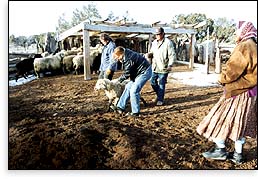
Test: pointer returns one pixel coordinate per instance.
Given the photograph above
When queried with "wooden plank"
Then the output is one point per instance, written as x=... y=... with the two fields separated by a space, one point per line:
x=86 y=52
x=150 y=41
x=74 y=30
x=207 y=59
x=193 y=41
x=217 y=58
x=135 y=29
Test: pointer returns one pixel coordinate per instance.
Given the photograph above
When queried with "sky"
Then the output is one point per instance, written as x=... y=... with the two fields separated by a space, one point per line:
x=36 y=17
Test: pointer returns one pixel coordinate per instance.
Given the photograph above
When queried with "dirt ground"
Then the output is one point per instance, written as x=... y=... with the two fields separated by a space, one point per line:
x=59 y=122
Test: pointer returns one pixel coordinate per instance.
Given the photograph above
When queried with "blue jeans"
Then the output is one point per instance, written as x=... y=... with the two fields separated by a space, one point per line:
x=132 y=91
x=158 y=82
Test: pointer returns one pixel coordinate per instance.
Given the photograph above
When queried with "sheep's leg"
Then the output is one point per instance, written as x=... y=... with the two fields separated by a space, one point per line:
x=109 y=105
x=37 y=74
x=17 y=77
x=24 y=76
x=112 y=104
x=64 y=69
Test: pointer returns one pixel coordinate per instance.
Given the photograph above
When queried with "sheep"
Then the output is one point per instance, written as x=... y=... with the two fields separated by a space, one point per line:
x=94 y=68
x=95 y=58
x=49 y=63
x=24 y=67
x=78 y=60
x=73 y=51
x=68 y=63
x=113 y=90
x=45 y=54
x=70 y=52
x=78 y=63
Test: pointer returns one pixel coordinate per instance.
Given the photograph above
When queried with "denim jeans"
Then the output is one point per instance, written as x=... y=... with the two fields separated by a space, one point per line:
x=132 y=91
x=158 y=83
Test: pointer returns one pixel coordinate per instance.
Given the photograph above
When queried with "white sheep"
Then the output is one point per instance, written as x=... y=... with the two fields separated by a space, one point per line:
x=68 y=63
x=113 y=90
x=45 y=54
x=49 y=63
x=78 y=60
x=93 y=54
x=78 y=63
x=71 y=52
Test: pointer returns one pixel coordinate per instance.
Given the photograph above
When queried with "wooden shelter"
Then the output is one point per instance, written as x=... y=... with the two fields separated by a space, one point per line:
x=124 y=29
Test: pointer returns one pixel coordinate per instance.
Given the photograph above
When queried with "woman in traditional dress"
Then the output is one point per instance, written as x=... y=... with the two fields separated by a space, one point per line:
x=234 y=116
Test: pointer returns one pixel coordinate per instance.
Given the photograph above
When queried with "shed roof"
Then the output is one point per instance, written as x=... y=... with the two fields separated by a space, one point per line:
x=126 y=29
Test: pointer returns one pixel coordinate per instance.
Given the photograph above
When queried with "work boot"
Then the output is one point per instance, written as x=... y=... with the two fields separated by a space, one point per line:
x=216 y=154
x=132 y=114
x=235 y=157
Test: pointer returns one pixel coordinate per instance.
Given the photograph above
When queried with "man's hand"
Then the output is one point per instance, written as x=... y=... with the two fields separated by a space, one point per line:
x=169 y=68
x=115 y=80
x=108 y=71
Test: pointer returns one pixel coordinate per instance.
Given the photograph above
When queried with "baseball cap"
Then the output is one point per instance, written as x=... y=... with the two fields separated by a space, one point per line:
x=159 y=30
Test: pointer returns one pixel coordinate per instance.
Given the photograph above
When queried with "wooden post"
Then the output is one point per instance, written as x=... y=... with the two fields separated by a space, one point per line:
x=191 y=63
x=217 y=58
x=150 y=40
x=207 y=60
x=86 y=52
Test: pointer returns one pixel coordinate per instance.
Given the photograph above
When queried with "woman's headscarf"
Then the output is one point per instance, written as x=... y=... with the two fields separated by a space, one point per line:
x=246 y=30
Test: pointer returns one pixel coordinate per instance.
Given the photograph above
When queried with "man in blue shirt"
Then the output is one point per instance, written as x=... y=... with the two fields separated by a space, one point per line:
x=108 y=66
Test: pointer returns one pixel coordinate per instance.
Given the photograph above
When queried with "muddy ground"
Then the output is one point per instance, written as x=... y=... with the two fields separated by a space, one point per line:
x=59 y=122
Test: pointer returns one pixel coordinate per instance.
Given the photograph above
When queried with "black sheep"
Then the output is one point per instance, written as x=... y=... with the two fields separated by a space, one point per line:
x=25 y=66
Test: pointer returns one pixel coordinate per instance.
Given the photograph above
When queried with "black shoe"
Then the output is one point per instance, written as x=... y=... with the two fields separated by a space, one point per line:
x=235 y=157
x=132 y=114
x=216 y=154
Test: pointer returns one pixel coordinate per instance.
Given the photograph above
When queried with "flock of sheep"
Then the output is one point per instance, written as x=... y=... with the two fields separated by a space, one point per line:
x=69 y=61
x=60 y=62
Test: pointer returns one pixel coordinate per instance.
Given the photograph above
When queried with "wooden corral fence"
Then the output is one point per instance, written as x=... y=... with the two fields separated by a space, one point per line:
x=223 y=53
x=127 y=29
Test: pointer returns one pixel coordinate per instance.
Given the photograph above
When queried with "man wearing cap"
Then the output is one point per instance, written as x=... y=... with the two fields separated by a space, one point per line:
x=163 y=58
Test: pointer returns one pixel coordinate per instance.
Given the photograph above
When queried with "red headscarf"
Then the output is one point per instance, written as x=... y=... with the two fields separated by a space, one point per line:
x=246 y=30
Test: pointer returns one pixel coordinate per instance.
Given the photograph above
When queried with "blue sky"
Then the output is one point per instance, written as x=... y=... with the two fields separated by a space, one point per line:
x=35 y=17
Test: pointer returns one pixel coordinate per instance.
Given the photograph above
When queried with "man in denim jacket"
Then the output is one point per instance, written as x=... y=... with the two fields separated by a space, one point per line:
x=138 y=69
